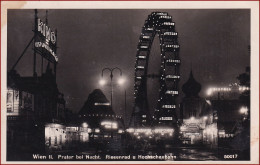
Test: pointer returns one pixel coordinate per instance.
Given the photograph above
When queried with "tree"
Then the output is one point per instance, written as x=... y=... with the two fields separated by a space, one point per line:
x=244 y=80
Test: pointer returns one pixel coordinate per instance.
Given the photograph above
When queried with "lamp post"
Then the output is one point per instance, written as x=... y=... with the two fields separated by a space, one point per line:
x=125 y=108
x=102 y=82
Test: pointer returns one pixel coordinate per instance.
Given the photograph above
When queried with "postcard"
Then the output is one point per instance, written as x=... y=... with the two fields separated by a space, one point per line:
x=130 y=82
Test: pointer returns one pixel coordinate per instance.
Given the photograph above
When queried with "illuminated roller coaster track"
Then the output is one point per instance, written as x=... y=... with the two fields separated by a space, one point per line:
x=165 y=113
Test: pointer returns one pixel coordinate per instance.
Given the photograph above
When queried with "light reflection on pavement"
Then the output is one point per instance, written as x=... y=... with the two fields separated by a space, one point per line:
x=196 y=154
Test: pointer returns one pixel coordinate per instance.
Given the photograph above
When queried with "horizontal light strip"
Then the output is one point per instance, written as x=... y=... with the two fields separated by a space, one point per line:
x=172 y=92
x=173 y=76
x=169 y=106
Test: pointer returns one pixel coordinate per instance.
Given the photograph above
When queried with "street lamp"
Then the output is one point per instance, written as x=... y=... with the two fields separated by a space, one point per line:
x=103 y=82
x=244 y=111
x=121 y=81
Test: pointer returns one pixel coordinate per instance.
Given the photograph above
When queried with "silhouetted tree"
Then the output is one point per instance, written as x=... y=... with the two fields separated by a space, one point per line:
x=244 y=80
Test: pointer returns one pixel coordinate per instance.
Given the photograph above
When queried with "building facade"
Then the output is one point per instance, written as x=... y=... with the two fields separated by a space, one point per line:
x=198 y=119
x=33 y=103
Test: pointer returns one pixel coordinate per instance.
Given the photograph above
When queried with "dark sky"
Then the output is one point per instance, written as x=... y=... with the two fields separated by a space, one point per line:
x=214 y=42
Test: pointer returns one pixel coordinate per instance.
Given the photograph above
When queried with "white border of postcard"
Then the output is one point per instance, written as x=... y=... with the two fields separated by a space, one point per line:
x=253 y=5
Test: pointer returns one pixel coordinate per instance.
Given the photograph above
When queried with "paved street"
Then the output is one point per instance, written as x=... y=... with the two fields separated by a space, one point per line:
x=197 y=154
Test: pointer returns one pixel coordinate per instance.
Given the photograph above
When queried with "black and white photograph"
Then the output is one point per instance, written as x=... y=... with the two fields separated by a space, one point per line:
x=106 y=84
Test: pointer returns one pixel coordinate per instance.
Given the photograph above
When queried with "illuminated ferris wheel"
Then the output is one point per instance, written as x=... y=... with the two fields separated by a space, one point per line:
x=159 y=23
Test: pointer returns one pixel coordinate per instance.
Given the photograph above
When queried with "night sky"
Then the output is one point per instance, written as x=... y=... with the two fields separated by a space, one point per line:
x=214 y=43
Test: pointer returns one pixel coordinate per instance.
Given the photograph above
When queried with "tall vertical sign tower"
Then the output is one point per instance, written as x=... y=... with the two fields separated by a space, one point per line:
x=45 y=43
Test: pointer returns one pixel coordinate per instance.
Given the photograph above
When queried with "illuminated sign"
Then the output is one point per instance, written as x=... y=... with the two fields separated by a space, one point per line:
x=107 y=104
x=9 y=104
x=12 y=102
x=47 y=47
x=109 y=124
x=168 y=106
x=161 y=13
x=46 y=32
x=45 y=41
x=166 y=118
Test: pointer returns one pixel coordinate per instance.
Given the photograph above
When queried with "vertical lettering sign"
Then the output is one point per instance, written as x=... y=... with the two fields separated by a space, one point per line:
x=45 y=42
x=9 y=101
x=12 y=102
